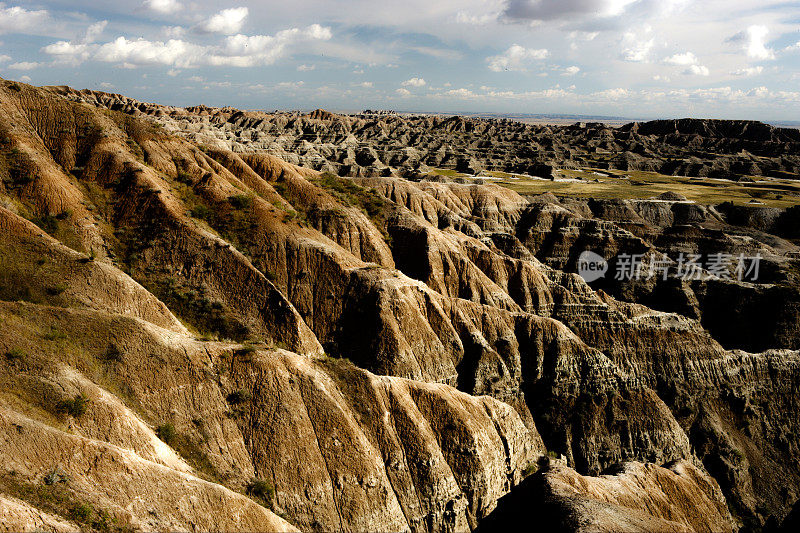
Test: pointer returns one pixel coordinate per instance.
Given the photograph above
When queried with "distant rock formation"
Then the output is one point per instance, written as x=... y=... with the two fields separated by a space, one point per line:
x=408 y=145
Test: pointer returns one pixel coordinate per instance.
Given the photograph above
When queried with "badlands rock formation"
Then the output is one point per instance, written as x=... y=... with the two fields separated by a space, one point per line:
x=196 y=338
x=761 y=314
x=379 y=144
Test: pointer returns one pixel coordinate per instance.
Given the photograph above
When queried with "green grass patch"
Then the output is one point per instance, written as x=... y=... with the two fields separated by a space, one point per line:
x=262 y=491
x=202 y=212
x=113 y=354
x=54 y=335
x=191 y=301
x=447 y=172
x=55 y=290
x=66 y=233
x=15 y=354
x=195 y=304
x=239 y=397
x=241 y=201
x=48 y=223
x=75 y=407
x=643 y=185
x=245 y=351
x=166 y=432
x=54 y=494
x=351 y=194
x=529 y=470
x=16 y=168
x=188 y=449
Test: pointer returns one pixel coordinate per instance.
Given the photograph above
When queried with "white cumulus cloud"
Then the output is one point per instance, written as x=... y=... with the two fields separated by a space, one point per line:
x=17 y=19
x=143 y=52
x=746 y=72
x=753 y=42
x=516 y=58
x=690 y=61
x=94 y=31
x=414 y=82
x=69 y=52
x=612 y=94
x=163 y=6
x=637 y=51
x=227 y=21
x=234 y=51
x=697 y=70
x=25 y=65
x=684 y=59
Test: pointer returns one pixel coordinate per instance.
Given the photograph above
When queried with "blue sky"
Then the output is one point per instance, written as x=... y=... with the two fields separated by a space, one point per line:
x=633 y=58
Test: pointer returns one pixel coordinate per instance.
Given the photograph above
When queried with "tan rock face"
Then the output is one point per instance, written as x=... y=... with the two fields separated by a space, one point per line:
x=206 y=305
x=653 y=490
x=17 y=515
x=395 y=453
x=677 y=497
x=115 y=480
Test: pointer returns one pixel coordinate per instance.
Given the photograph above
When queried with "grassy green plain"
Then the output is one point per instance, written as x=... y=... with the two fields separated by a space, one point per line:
x=597 y=183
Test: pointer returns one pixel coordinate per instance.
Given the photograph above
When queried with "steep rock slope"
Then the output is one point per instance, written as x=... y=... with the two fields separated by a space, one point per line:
x=342 y=448
x=114 y=481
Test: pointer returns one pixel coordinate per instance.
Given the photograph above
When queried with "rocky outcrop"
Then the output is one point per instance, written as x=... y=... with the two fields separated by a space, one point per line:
x=69 y=278
x=635 y=498
x=755 y=315
x=114 y=481
x=17 y=515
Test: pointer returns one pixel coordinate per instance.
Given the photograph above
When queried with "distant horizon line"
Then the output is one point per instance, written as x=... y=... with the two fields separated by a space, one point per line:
x=512 y=115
